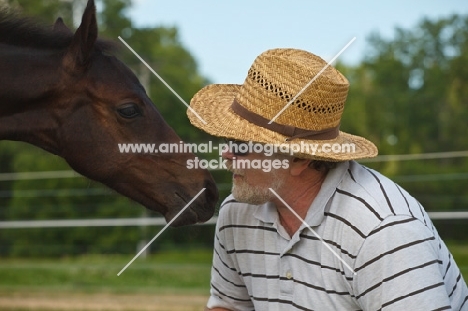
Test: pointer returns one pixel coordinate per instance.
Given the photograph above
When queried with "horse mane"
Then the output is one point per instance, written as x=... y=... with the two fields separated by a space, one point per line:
x=26 y=32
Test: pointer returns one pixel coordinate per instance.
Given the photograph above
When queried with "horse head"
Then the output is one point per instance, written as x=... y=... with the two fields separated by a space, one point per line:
x=93 y=104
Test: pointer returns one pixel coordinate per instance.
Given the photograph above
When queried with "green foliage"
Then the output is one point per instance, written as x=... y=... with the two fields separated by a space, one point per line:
x=112 y=19
x=415 y=87
x=45 y=10
x=410 y=96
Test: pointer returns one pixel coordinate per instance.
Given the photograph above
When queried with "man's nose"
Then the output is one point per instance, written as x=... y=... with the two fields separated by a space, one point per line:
x=227 y=154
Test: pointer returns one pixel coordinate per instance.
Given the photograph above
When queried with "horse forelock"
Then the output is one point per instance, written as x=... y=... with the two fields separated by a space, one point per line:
x=26 y=32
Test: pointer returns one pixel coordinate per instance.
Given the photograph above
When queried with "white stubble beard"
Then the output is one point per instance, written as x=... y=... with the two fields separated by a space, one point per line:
x=256 y=194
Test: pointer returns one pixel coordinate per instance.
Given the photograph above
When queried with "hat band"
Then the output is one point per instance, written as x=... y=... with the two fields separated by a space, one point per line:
x=286 y=130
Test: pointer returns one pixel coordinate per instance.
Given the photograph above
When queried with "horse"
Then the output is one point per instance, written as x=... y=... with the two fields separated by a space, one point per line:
x=65 y=92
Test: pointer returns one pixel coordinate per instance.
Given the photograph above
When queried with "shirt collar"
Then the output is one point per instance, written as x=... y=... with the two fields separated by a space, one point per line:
x=266 y=213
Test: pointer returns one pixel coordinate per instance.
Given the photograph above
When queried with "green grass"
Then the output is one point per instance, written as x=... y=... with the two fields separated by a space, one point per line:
x=182 y=271
x=170 y=271
x=460 y=254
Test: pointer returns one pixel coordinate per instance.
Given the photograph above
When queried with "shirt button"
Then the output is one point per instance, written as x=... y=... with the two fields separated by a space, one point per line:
x=289 y=275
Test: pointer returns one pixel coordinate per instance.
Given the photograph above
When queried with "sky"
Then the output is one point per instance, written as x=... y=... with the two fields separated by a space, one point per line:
x=224 y=37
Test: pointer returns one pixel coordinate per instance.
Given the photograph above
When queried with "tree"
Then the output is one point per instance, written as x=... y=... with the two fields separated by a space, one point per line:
x=413 y=78
x=410 y=96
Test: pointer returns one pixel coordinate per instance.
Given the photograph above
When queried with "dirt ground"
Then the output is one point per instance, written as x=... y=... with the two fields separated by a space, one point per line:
x=102 y=302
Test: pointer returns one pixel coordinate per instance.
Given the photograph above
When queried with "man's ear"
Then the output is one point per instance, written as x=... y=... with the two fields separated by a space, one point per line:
x=297 y=166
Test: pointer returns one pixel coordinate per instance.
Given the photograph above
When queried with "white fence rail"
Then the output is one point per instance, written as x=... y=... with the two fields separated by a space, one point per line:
x=143 y=222
x=107 y=222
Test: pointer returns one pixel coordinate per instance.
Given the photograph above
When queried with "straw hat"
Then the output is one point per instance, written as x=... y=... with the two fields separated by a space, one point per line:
x=277 y=78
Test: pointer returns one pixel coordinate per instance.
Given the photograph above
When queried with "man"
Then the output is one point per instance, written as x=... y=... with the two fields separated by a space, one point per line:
x=322 y=232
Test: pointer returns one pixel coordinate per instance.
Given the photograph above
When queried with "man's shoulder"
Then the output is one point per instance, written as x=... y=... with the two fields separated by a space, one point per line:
x=369 y=187
x=365 y=197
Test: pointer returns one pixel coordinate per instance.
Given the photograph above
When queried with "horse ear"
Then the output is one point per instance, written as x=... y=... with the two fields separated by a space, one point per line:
x=82 y=45
x=60 y=26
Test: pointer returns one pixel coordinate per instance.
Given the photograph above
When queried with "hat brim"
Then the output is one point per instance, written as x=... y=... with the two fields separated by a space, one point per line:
x=212 y=105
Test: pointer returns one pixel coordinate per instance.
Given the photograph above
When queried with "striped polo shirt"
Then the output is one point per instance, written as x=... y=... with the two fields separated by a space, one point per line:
x=395 y=259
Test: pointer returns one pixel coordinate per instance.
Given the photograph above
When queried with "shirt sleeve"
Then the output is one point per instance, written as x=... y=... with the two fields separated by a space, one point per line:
x=399 y=268
x=227 y=286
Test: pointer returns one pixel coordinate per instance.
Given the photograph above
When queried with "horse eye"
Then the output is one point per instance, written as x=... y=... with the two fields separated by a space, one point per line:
x=129 y=111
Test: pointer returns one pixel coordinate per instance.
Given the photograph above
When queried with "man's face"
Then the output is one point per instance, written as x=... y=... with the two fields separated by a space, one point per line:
x=251 y=185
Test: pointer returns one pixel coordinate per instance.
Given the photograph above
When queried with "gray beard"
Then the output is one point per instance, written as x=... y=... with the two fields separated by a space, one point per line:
x=257 y=195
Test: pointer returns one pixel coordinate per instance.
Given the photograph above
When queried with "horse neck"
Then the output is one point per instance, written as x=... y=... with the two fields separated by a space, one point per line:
x=27 y=85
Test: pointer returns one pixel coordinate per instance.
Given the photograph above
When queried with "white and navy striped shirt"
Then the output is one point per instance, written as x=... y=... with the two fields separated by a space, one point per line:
x=372 y=224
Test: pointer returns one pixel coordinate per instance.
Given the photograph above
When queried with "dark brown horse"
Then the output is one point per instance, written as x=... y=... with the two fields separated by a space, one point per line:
x=63 y=92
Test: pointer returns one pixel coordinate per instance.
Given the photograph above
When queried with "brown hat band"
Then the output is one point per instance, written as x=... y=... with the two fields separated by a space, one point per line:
x=286 y=130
